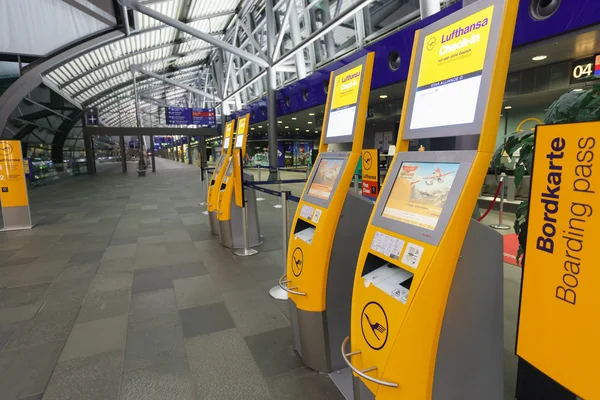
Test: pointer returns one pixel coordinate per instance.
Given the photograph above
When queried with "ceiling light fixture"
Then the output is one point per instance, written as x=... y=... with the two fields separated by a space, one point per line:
x=311 y=114
x=251 y=129
x=260 y=126
x=507 y=107
x=297 y=129
x=539 y=58
x=383 y=96
x=310 y=122
x=286 y=127
x=308 y=130
x=279 y=122
x=294 y=118
x=578 y=90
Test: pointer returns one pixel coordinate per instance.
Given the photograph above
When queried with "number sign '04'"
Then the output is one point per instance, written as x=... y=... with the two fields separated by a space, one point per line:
x=560 y=299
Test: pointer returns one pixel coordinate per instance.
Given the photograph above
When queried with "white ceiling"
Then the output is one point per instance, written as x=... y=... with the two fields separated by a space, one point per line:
x=39 y=27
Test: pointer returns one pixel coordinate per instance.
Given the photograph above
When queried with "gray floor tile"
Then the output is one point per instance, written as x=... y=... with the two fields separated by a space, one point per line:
x=223 y=368
x=123 y=265
x=91 y=378
x=167 y=381
x=196 y=291
x=109 y=281
x=273 y=351
x=205 y=319
x=38 y=273
x=44 y=327
x=75 y=271
x=150 y=343
x=156 y=307
x=22 y=295
x=11 y=315
x=254 y=312
x=87 y=256
x=115 y=241
x=14 y=260
x=6 y=332
x=65 y=294
x=187 y=270
x=118 y=252
x=21 y=377
x=152 y=279
x=10 y=273
x=303 y=384
x=100 y=305
x=95 y=337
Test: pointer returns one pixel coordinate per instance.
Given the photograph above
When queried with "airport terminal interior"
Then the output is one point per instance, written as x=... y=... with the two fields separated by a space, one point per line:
x=303 y=200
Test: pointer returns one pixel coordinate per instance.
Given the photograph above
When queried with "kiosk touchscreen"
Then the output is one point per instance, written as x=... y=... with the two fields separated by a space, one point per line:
x=217 y=176
x=426 y=319
x=329 y=224
x=229 y=214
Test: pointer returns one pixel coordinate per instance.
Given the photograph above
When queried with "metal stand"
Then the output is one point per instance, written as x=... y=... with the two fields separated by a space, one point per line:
x=356 y=183
x=204 y=180
x=277 y=292
x=246 y=251
x=500 y=225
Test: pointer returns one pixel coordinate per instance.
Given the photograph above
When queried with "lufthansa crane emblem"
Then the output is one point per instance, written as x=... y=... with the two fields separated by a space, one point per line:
x=374 y=325
x=368 y=160
x=6 y=150
x=297 y=261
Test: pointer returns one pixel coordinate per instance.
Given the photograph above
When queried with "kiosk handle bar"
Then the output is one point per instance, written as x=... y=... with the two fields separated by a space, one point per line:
x=362 y=373
x=283 y=285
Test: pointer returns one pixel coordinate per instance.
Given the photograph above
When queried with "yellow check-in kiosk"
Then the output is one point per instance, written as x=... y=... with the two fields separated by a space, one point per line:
x=217 y=176
x=427 y=304
x=329 y=225
x=229 y=212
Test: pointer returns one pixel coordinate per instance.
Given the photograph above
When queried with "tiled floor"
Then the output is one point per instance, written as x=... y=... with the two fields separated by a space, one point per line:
x=121 y=292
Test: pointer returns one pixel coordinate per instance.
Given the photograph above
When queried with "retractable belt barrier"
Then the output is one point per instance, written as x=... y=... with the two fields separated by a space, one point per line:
x=254 y=185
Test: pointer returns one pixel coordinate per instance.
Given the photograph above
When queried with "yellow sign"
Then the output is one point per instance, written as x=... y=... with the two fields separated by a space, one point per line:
x=13 y=186
x=346 y=88
x=559 y=329
x=456 y=51
x=370 y=173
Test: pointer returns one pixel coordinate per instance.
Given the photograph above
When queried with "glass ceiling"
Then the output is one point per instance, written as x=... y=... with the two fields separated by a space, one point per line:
x=102 y=79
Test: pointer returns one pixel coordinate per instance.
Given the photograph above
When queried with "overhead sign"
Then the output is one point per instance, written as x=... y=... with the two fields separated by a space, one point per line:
x=370 y=173
x=343 y=102
x=558 y=322
x=92 y=119
x=203 y=117
x=13 y=186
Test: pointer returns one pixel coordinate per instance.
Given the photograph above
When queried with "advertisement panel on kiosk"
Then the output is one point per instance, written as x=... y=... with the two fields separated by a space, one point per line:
x=423 y=324
x=217 y=176
x=322 y=244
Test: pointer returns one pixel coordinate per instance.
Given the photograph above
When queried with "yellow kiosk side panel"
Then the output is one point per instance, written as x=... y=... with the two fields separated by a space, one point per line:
x=307 y=264
x=228 y=181
x=218 y=173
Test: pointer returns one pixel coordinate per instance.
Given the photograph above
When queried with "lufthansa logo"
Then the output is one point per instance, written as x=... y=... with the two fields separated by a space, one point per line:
x=431 y=43
x=5 y=150
x=367 y=160
x=374 y=325
x=297 y=261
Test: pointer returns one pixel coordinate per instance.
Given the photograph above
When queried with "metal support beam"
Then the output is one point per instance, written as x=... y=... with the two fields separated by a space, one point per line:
x=123 y=154
x=429 y=7
x=329 y=42
x=141 y=164
x=271 y=95
x=137 y=6
x=152 y=156
x=135 y=67
x=296 y=39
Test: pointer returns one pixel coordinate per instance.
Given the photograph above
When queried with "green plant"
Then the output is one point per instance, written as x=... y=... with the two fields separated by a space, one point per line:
x=573 y=106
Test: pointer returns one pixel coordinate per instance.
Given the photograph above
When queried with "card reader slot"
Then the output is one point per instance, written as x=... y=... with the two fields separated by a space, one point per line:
x=223 y=186
x=393 y=280
x=304 y=231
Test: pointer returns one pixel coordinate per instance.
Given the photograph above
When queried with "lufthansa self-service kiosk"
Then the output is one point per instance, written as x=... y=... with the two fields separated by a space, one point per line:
x=229 y=212
x=329 y=225
x=217 y=176
x=427 y=305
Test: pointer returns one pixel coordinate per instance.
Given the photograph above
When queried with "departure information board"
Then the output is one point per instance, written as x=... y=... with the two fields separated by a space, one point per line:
x=203 y=117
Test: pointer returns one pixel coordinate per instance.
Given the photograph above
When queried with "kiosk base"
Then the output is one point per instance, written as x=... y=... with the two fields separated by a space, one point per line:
x=214 y=223
x=231 y=232
x=469 y=362
x=319 y=335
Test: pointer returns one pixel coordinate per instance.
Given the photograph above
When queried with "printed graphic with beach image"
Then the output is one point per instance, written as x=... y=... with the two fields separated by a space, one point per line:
x=420 y=192
x=325 y=177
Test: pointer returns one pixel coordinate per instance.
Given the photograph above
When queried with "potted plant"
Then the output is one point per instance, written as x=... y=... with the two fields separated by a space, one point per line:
x=578 y=105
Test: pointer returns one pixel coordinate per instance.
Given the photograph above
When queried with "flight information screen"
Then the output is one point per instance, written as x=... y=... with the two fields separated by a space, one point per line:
x=325 y=177
x=239 y=140
x=420 y=192
x=226 y=144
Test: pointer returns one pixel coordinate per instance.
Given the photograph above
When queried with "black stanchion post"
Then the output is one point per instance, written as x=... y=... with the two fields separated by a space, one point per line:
x=246 y=251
